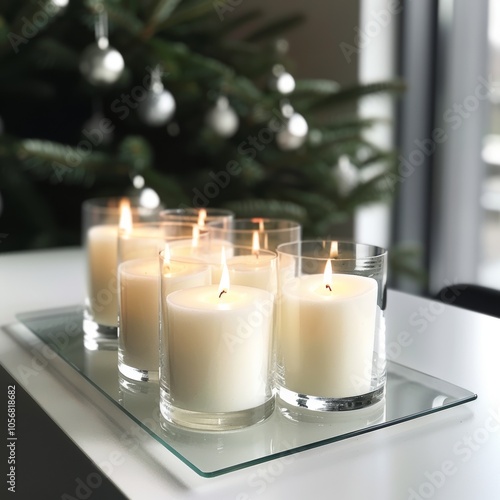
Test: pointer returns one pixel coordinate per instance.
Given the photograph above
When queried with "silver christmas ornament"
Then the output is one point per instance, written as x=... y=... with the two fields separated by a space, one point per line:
x=158 y=107
x=346 y=175
x=222 y=118
x=100 y=63
x=282 y=81
x=293 y=134
x=59 y=4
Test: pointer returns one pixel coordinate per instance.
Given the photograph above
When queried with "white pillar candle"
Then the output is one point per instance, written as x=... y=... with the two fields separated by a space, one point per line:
x=219 y=348
x=327 y=335
x=102 y=250
x=139 y=307
x=102 y=262
x=139 y=316
x=252 y=270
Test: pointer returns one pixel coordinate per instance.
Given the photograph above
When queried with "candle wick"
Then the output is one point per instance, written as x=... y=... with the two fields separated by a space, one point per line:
x=329 y=287
x=220 y=294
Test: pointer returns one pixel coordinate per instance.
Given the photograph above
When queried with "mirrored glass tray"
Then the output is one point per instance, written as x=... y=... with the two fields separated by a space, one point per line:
x=410 y=394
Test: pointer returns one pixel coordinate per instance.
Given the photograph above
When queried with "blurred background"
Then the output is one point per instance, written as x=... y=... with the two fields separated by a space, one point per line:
x=376 y=120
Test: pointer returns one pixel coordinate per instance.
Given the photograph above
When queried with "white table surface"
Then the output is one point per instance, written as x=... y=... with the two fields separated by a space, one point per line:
x=453 y=454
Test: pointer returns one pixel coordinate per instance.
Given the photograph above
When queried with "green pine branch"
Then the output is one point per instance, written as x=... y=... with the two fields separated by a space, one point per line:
x=353 y=93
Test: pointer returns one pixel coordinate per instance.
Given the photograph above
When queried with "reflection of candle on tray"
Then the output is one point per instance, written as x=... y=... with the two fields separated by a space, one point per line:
x=327 y=333
x=102 y=262
x=219 y=341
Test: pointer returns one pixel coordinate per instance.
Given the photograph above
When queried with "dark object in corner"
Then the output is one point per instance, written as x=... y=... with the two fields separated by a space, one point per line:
x=472 y=297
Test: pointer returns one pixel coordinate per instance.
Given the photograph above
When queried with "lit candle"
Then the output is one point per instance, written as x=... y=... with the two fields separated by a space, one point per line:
x=102 y=262
x=202 y=216
x=139 y=306
x=187 y=248
x=219 y=347
x=257 y=269
x=139 y=318
x=327 y=333
x=216 y=269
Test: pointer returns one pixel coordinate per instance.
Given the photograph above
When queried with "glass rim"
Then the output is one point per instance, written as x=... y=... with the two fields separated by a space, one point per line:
x=125 y=232
x=183 y=258
x=102 y=204
x=291 y=224
x=194 y=211
x=380 y=252
x=272 y=254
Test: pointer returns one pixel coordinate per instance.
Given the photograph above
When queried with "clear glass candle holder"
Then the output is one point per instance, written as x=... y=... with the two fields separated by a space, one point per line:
x=269 y=232
x=331 y=327
x=246 y=266
x=200 y=216
x=100 y=220
x=216 y=346
x=138 y=277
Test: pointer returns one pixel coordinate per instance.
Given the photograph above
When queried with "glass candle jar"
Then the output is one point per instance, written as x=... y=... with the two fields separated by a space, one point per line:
x=100 y=221
x=243 y=232
x=216 y=349
x=139 y=276
x=200 y=216
x=331 y=333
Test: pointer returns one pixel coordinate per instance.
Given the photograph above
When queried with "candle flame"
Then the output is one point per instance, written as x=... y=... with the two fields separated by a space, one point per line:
x=166 y=258
x=255 y=243
x=224 y=279
x=328 y=275
x=334 y=250
x=222 y=256
x=196 y=236
x=125 y=215
x=260 y=221
x=202 y=215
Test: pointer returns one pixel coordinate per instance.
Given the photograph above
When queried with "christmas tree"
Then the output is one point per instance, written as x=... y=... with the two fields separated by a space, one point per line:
x=110 y=97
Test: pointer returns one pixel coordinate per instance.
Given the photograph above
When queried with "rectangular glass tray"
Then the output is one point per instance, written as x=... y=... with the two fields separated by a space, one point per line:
x=410 y=394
